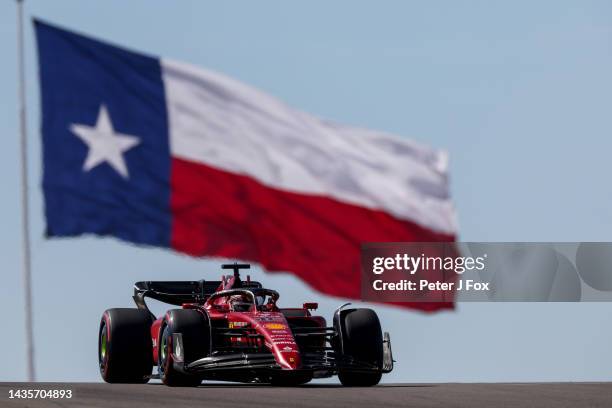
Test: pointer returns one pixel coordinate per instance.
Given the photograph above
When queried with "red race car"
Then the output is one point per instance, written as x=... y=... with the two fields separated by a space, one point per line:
x=233 y=330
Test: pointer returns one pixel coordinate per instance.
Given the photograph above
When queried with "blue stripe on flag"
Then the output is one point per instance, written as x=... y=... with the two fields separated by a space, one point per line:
x=100 y=181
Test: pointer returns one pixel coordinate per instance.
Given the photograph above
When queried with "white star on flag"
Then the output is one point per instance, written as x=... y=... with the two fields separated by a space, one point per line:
x=105 y=145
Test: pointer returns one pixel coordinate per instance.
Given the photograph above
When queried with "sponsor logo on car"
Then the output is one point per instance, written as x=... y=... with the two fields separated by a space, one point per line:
x=237 y=325
x=269 y=318
x=276 y=326
x=282 y=338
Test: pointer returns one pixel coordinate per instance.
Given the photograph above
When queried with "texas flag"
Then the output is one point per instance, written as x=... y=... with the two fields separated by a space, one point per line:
x=159 y=152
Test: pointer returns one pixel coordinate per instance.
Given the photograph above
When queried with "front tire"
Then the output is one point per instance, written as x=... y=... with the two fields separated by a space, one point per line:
x=194 y=328
x=362 y=342
x=125 y=352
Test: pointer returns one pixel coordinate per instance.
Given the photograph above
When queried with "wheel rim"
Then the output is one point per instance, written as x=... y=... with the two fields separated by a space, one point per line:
x=163 y=352
x=163 y=347
x=103 y=345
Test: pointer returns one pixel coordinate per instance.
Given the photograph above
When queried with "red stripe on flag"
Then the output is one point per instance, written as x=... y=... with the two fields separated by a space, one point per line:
x=218 y=213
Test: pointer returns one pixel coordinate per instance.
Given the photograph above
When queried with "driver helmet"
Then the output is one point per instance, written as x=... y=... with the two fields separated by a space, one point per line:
x=239 y=303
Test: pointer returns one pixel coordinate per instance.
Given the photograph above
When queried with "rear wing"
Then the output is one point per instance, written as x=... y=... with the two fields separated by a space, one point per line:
x=178 y=292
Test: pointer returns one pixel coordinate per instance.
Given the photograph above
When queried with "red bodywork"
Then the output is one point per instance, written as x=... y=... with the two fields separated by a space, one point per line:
x=273 y=325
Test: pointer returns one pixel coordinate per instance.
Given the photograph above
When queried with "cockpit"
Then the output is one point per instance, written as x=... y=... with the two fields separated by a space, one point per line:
x=247 y=300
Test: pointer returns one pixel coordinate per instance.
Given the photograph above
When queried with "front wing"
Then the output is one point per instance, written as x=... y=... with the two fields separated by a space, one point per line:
x=323 y=362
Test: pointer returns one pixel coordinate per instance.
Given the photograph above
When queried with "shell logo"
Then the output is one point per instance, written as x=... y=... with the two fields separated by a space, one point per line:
x=273 y=326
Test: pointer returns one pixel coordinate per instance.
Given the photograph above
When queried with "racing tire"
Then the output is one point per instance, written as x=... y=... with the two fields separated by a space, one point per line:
x=125 y=352
x=362 y=341
x=194 y=328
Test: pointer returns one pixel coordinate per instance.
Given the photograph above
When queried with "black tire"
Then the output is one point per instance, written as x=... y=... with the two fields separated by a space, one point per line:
x=194 y=328
x=361 y=341
x=125 y=352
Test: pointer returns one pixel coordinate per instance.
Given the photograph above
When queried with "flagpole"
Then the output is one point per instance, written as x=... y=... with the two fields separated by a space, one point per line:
x=26 y=266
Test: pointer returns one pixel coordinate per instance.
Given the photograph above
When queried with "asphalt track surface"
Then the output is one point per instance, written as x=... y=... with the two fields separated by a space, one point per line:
x=320 y=395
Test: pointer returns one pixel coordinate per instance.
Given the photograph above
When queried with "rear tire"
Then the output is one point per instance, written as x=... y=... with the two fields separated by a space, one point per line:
x=125 y=352
x=362 y=341
x=194 y=328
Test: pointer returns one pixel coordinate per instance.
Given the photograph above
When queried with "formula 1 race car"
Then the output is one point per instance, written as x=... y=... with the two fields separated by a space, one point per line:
x=233 y=330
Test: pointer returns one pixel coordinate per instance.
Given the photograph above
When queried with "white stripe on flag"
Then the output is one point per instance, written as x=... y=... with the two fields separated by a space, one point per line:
x=225 y=124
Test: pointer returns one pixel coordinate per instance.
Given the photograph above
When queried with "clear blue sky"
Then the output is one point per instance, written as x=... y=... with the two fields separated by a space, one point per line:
x=518 y=92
